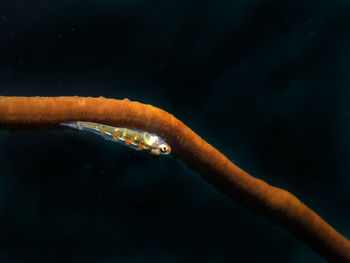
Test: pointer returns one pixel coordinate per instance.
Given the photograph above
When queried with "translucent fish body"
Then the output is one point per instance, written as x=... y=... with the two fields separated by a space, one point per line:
x=136 y=139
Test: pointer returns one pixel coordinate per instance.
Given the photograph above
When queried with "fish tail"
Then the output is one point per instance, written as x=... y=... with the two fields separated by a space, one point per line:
x=71 y=124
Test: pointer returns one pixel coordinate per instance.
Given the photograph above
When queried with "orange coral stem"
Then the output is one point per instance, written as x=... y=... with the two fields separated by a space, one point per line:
x=278 y=205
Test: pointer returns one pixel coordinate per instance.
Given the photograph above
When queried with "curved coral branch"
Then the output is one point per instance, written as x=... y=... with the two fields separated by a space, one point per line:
x=278 y=205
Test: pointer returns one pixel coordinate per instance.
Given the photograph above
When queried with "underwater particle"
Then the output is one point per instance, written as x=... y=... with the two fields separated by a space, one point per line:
x=4 y=19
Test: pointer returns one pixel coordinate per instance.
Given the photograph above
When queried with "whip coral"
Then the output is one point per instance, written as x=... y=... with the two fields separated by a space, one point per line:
x=278 y=205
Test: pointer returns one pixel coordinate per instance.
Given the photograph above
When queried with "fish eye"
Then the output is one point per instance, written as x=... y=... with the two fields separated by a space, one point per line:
x=164 y=148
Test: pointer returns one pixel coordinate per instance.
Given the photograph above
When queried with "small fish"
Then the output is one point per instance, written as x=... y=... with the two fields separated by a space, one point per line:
x=136 y=139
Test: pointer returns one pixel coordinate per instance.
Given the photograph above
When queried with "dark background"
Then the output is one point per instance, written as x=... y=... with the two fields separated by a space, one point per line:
x=266 y=82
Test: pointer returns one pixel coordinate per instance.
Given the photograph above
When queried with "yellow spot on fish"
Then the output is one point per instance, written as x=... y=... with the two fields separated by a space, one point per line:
x=127 y=142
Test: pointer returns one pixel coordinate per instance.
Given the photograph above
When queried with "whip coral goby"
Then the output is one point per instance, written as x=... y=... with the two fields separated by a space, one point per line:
x=136 y=139
x=278 y=205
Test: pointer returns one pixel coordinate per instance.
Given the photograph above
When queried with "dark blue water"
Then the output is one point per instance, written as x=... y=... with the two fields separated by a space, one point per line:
x=266 y=82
